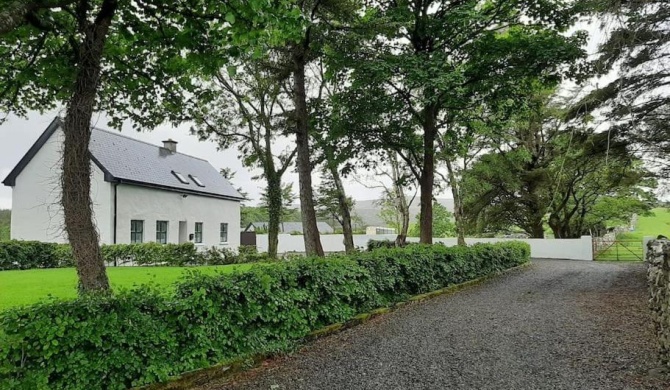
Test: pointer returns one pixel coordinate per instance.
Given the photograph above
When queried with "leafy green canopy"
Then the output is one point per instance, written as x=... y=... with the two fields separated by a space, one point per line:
x=443 y=224
x=426 y=61
x=578 y=182
x=152 y=60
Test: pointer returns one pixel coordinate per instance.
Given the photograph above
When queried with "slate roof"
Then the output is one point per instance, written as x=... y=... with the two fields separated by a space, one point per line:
x=291 y=227
x=128 y=160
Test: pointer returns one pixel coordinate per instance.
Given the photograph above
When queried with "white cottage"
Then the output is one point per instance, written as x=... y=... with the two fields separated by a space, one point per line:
x=140 y=193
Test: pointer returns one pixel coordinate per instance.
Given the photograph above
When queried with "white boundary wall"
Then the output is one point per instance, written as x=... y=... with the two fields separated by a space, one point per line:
x=540 y=248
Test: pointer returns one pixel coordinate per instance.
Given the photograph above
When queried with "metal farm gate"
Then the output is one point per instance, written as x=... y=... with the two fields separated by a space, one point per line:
x=617 y=250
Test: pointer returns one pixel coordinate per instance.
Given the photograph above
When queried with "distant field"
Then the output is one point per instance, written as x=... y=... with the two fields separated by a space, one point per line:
x=30 y=286
x=651 y=226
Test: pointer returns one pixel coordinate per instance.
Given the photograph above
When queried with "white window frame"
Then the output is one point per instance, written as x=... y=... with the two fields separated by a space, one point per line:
x=196 y=181
x=180 y=177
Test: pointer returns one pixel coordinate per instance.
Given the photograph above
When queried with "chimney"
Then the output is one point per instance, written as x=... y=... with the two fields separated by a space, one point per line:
x=170 y=145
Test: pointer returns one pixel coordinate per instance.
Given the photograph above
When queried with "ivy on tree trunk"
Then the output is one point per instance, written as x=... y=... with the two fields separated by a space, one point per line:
x=76 y=176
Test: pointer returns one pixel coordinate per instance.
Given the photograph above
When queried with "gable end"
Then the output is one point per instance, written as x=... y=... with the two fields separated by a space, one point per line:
x=10 y=180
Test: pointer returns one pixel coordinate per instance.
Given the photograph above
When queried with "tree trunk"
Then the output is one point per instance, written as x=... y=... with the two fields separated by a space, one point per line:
x=402 y=206
x=309 y=228
x=427 y=177
x=556 y=226
x=76 y=177
x=537 y=229
x=458 y=204
x=345 y=211
x=275 y=203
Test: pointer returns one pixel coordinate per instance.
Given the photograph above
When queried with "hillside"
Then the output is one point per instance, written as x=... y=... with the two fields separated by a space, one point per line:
x=650 y=226
x=5 y=217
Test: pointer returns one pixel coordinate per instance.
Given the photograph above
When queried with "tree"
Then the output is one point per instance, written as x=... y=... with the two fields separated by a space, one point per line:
x=508 y=185
x=469 y=132
x=132 y=60
x=250 y=214
x=333 y=154
x=394 y=202
x=636 y=103
x=333 y=202
x=443 y=225
x=251 y=111
x=320 y=17
x=428 y=59
x=571 y=179
x=286 y=199
x=588 y=176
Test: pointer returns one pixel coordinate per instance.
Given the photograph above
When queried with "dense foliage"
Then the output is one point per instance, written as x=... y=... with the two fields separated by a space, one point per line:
x=443 y=223
x=545 y=171
x=5 y=224
x=144 y=336
x=376 y=244
x=633 y=55
x=426 y=62
x=34 y=254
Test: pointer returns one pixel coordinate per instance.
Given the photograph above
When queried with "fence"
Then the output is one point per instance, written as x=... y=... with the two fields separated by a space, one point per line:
x=568 y=249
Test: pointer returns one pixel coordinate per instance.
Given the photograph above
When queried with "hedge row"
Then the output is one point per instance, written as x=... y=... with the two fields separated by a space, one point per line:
x=143 y=336
x=35 y=254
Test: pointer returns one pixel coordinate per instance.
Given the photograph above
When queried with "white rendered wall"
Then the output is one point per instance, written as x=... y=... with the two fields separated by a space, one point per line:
x=36 y=211
x=569 y=249
x=151 y=205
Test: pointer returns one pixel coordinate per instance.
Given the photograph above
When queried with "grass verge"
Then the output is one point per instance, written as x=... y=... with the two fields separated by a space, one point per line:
x=18 y=288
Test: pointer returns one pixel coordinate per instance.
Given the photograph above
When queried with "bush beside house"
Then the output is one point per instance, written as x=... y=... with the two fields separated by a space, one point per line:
x=34 y=254
x=143 y=336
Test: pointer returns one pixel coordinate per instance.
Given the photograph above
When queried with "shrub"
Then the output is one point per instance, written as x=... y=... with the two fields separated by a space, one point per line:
x=151 y=253
x=33 y=254
x=376 y=244
x=223 y=256
x=142 y=336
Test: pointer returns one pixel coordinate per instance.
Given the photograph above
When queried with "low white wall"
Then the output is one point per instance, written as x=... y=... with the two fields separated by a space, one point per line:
x=568 y=249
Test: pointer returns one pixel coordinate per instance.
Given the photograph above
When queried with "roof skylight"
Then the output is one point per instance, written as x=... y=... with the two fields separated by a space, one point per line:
x=180 y=177
x=196 y=181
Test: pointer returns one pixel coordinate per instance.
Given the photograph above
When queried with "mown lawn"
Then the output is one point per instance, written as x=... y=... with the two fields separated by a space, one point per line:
x=30 y=286
x=652 y=226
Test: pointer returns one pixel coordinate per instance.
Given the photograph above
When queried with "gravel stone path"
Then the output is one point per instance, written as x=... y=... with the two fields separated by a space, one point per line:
x=554 y=325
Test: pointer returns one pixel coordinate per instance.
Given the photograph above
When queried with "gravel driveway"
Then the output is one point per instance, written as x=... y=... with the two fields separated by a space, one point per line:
x=554 y=325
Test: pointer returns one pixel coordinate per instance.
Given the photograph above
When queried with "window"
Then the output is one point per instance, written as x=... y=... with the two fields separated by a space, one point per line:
x=180 y=177
x=161 y=232
x=198 y=232
x=196 y=180
x=224 y=232
x=136 y=231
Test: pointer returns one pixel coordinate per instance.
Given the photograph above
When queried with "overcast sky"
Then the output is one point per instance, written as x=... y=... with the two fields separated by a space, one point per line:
x=17 y=135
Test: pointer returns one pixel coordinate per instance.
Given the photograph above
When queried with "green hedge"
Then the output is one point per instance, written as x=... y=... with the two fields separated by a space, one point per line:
x=143 y=336
x=376 y=244
x=34 y=254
